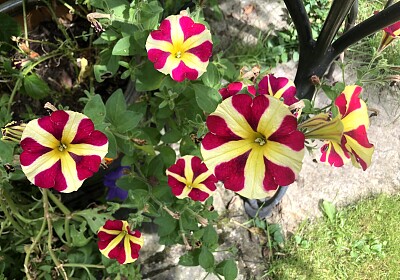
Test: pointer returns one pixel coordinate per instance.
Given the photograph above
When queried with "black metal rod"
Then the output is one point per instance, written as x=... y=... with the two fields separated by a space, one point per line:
x=337 y=14
x=371 y=25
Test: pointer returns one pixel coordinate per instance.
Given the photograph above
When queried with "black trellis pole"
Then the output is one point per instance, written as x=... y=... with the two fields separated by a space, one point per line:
x=317 y=55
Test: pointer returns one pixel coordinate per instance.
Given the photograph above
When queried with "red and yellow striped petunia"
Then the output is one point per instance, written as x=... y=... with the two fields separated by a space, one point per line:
x=180 y=48
x=117 y=241
x=354 y=142
x=60 y=151
x=253 y=145
x=189 y=177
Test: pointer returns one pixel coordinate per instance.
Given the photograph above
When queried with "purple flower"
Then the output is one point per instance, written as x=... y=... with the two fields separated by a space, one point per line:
x=110 y=179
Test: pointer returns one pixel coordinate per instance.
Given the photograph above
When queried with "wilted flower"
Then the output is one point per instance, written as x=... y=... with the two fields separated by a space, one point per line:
x=180 y=48
x=117 y=241
x=279 y=87
x=389 y=34
x=253 y=145
x=354 y=142
x=189 y=177
x=110 y=181
x=236 y=87
x=60 y=151
x=12 y=132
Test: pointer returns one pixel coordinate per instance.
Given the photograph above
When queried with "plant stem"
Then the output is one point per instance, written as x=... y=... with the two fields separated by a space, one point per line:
x=33 y=245
x=25 y=25
x=13 y=93
x=14 y=209
x=63 y=208
x=84 y=265
x=59 y=266
x=15 y=224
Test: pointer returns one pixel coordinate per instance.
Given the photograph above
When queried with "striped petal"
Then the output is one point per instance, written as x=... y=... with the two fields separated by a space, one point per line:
x=60 y=151
x=389 y=34
x=180 y=48
x=253 y=145
x=117 y=241
x=354 y=142
x=189 y=177
x=278 y=87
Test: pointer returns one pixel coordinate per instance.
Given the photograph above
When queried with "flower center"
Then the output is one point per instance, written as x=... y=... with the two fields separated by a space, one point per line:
x=62 y=147
x=261 y=140
x=178 y=54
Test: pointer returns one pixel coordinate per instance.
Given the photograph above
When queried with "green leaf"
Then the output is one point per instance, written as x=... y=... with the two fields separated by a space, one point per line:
x=206 y=258
x=78 y=236
x=189 y=222
x=112 y=145
x=6 y=152
x=94 y=218
x=166 y=224
x=191 y=258
x=8 y=28
x=172 y=136
x=107 y=67
x=207 y=98
x=125 y=46
x=95 y=109
x=228 y=269
x=127 y=120
x=116 y=102
x=35 y=87
x=210 y=236
x=150 y=14
x=329 y=210
x=211 y=77
x=168 y=155
x=148 y=78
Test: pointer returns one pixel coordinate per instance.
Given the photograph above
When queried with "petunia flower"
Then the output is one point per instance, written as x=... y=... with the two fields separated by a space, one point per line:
x=390 y=33
x=354 y=142
x=279 y=87
x=12 y=132
x=110 y=181
x=117 y=241
x=189 y=177
x=236 y=87
x=60 y=151
x=253 y=145
x=180 y=48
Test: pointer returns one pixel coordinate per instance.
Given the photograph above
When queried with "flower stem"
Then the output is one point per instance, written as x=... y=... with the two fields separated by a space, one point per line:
x=29 y=250
x=59 y=266
x=63 y=208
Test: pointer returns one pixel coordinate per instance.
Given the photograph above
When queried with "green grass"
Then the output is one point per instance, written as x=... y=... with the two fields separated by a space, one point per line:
x=361 y=241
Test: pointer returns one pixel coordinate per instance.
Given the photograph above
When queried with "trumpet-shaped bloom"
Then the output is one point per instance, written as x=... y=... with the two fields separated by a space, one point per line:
x=390 y=33
x=180 y=48
x=114 y=192
x=117 y=241
x=60 y=151
x=279 y=87
x=236 y=87
x=253 y=145
x=354 y=142
x=189 y=177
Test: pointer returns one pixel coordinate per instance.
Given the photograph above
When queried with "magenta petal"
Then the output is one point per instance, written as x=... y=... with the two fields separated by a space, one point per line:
x=177 y=187
x=118 y=252
x=190 y=28
x=86 y=165
x=51 y=178
x=231 y=173
x=31 y=151
x=182 y=71
x=158 y=57
x=218 y=126
x=198 y=195
x=164 y=32
x=282 y=175
x=54 y=123
x=202 y=51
